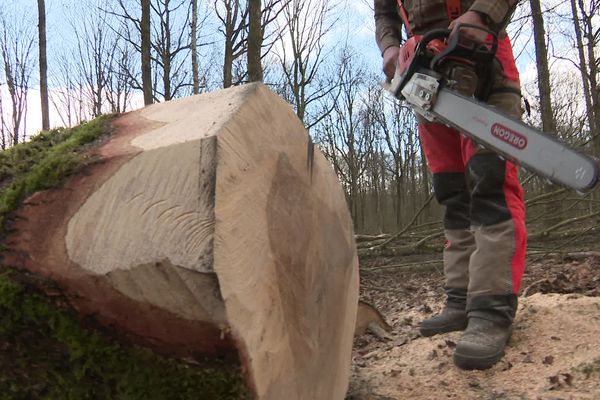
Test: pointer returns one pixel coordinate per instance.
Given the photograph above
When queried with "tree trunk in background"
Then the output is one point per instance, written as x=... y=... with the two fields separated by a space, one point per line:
x=384 y=191
x=398 y=185
x=95 y=62
x=194 y=47
x=255 y=73
x=43 y=65
x=541 y=55
x=17 y=42
x=583 y=67
x=146 y=46
x=591 y=34
x=426 y=185
x=543 y=74
x=170 y=42
x=353 y=199
x=233 y=15
x=228 y=63
x=374 y=191
x=229 y=21
x=302 y=53
x=3 y=132
x=411 y=157
x=164 y=45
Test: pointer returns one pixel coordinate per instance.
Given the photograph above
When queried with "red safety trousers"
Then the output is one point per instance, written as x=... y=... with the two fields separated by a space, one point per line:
x=484 y=210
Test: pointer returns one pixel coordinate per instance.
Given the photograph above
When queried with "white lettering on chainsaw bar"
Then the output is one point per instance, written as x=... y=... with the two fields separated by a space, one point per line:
x=509 y=136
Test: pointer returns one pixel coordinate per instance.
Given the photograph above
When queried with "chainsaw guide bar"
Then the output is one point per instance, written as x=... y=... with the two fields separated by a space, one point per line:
x=418 y=83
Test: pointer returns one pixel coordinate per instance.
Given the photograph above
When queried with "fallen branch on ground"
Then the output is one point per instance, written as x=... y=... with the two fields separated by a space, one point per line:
x=396 y=266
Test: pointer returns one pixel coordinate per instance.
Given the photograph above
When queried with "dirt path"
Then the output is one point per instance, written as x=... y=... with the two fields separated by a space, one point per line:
x=554 y=352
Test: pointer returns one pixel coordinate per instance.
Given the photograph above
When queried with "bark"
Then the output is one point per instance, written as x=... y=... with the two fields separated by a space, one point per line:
x=541 y=56
x=194 y=47
x=583 y=67
x=228 y=51
x=592 y=37
x=163 y=46
x=424 y=175
x=234 y=30
x=255 y=73
x=170 y=42
x=3 y=130
x=146 y=48
x=43 y=65
x=384 y=187
x=164 y=50
x=237 y=28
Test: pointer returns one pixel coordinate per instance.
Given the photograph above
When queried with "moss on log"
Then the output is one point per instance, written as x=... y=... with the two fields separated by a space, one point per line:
x=46 y=350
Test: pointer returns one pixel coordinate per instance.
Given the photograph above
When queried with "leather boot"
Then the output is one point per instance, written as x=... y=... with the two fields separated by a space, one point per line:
x=452 y=318
x=449 y=320
x=482 y=343
x=452 y=192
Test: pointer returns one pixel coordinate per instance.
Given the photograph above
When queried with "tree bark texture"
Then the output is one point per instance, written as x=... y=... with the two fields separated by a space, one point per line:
x=194 y=47
x=255 y=38
x=583 y=66
x=43 y=65
x=233 y=25
x=541 y=56
x=146 y=48
x=591 y=33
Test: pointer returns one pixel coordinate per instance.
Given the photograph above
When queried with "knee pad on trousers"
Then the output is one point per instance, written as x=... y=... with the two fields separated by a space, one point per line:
x=486 y=176
x=451 y=191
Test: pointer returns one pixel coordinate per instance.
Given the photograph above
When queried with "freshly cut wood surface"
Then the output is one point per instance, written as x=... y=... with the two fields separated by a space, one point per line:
x=209 y=224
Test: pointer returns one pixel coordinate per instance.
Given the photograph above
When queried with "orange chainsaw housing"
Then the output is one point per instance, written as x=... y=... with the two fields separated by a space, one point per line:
x=408 y=50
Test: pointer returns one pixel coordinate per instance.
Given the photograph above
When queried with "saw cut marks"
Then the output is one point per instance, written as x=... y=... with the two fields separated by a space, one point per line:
x=153 y=208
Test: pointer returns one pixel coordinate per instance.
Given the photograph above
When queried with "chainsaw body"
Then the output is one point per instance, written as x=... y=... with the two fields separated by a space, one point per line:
x=419 y=80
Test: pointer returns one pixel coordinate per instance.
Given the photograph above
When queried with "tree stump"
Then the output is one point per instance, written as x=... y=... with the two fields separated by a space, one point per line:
x=206 y=225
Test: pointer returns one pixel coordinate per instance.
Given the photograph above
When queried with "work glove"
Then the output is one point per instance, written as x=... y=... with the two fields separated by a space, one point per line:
x=471 y=18
x=390 y=60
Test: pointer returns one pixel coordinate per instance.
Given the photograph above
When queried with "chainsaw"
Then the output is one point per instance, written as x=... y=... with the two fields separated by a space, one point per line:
x=419 y=82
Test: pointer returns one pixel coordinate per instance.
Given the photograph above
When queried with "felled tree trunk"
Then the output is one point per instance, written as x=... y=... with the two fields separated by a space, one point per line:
x=209 y=224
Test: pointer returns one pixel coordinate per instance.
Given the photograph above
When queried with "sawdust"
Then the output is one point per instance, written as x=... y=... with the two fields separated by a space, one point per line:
x=554 y=352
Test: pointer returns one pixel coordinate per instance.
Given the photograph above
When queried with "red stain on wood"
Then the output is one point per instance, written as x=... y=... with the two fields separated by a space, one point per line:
x=36 y=242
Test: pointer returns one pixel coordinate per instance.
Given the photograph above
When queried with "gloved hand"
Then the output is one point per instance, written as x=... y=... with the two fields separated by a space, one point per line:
x=390 y=60
x=471 y=18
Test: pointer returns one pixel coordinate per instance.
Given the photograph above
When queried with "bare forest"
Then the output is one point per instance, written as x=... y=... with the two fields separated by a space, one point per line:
x=63 y=62
x=79 y=60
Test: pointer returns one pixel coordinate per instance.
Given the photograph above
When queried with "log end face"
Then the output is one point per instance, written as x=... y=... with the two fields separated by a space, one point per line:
x=192 y=118
x=131 y=240
x=219 y=218
x=284 y=254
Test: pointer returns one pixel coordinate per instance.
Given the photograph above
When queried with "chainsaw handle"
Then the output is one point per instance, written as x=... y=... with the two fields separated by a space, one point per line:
x=433 y=34
x=462 y=46
x=416 y=59
x=432 y=49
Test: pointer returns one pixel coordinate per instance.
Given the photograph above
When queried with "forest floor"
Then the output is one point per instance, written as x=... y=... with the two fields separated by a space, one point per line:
x=554 y=352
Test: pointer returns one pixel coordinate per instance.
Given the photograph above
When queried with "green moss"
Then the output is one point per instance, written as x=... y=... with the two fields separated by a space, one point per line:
x=45 y=350
x=46 y=353
x=43 y=162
